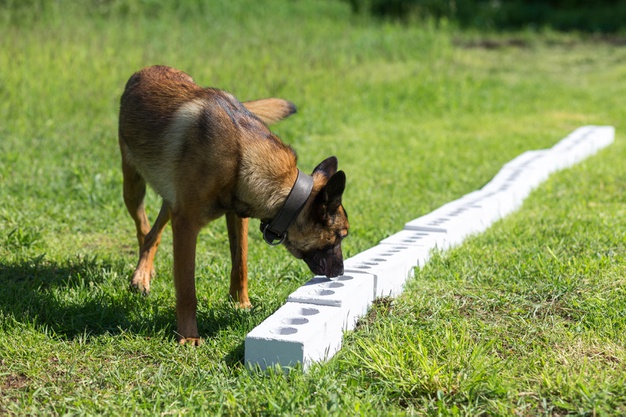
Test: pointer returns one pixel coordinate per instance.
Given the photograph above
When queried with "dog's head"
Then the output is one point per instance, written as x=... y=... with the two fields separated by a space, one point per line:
x=316 y=234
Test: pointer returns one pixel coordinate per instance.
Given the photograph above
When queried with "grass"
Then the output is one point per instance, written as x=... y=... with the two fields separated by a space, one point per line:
x=525 y=319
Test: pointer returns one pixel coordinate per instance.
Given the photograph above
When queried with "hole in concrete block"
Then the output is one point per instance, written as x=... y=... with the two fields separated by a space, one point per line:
x=308 y=311
x=323 y=293
x=297 y=321
x=333 y=285
x=283 y=331
x=344 y=278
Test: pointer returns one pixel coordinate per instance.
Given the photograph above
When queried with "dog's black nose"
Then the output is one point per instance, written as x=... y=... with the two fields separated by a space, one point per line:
x=334 y=270
x=327 y=262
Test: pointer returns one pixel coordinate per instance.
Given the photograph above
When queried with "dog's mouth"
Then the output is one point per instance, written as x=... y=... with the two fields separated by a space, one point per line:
x=327 y=262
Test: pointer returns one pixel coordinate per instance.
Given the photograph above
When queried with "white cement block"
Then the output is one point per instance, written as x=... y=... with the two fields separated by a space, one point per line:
x=584 y=142
x=550 y=163
x=536 y=166
x=452 y=227
x=516 y=190
x=352 y=294
x=508 y=201
x=309 y=327
x=390 y=266
x=512 y=186
x=522 y=180
x=603 y=136
x=579 y=138
x=457 y=220
x=485 y=204
x=525 y=159
x=295 y=333
x=420 y=238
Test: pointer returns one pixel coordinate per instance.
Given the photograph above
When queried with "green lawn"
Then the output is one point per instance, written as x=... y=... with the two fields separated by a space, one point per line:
x=528 y=318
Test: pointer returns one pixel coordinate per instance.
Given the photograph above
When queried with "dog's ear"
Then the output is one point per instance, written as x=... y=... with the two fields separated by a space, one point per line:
x=329 y=197
x=334 y=189
x=270 y=110
x=327 y=167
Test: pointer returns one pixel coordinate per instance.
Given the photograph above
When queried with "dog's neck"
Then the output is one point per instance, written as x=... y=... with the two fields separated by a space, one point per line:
x=263 y=187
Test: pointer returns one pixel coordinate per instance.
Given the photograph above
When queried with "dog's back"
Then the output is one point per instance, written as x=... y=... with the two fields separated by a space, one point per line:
x=154 y=91
x=169 y=125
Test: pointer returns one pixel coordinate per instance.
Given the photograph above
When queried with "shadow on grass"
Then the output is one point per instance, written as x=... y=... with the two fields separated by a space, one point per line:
x=80 y=296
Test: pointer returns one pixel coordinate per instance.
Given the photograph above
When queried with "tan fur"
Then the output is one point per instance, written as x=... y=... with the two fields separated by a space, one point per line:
x=209 y=155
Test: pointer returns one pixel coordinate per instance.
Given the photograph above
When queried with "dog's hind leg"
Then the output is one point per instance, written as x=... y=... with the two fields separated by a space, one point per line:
x=134 y=193
x=238 y=238
x=148 y=239
x=145 y=267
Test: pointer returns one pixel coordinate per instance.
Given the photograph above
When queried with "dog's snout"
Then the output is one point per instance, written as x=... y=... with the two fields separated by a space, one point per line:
x=334 y=268
x=335 y=271
x=327 y=262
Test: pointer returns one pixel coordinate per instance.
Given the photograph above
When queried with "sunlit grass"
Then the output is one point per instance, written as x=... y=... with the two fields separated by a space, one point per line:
x=526 y=318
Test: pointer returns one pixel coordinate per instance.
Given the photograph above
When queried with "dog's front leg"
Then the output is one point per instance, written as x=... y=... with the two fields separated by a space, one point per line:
x=238 y=239
x=185 y=233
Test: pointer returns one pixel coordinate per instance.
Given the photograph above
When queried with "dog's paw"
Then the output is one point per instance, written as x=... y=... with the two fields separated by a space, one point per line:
x=140 y=281
x=191 y=341
x=240 y=301
x=242 y=305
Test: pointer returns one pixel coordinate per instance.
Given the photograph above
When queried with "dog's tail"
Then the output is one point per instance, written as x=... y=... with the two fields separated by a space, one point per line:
x=270 y=110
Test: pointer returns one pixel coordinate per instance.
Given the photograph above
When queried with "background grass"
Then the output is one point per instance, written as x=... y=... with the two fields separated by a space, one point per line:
x=527 y=318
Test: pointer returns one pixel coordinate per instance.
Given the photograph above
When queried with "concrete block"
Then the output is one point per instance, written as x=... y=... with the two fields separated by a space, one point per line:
x=603 y=136
x=295 y=333
x=534 y=166
x=459 y=219
x=421 y=238
x=584 y=142
x=510 y=202
x=352 y=294
x=510 y=187
x=485 y=204
x=390 y=265
x=520 y=180
x=453 y=228
x=540 y=166
x=309 y=327
x=580 y=138
x=550 y=163
x=525 y=159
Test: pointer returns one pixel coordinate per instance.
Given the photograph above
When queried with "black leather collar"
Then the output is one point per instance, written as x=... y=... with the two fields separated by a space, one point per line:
x=275 y=232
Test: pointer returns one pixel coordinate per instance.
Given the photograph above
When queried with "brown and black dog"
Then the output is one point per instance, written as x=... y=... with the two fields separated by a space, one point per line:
x=207 y=155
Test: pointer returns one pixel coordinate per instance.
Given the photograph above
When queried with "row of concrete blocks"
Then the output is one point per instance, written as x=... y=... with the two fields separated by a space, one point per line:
x=309 y=327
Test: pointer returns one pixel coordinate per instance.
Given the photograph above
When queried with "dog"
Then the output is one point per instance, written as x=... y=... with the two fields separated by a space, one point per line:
x=208 y=155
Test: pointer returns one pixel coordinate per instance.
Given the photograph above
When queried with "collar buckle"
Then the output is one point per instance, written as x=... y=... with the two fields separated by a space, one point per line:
x=270 y=237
